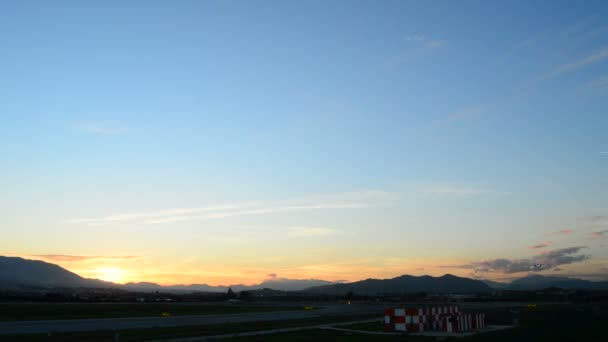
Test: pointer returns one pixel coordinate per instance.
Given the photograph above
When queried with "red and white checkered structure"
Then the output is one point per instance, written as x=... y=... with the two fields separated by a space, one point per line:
x=442 y=318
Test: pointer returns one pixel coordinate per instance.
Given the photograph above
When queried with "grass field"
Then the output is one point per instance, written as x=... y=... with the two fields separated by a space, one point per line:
x=38 y=311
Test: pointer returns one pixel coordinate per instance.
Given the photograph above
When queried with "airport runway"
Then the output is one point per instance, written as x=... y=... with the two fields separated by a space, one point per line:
x=46 y=326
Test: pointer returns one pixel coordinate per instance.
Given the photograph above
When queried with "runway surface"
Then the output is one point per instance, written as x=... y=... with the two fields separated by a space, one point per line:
x=46 y=326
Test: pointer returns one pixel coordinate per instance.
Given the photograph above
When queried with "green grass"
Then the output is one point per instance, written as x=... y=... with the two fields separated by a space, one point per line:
x=38 y=311
x=137 y=335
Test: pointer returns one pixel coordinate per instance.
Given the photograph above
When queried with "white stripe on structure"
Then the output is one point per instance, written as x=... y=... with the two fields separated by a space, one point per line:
x=399 y=326
x=399 y=312
x=448 y=324
x=469 y=322
x=408 y=319
x=387 y=319
x=415 y=319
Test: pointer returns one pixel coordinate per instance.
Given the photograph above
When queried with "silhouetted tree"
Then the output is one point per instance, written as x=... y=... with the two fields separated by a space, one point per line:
x=245 y=295
x=230 y=294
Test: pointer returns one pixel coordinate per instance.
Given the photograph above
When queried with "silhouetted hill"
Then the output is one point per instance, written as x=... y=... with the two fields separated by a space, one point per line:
x=284 y=284
x=281 y=284
x=495 y=284
x=19 y=272
x=405 y=284
x=537 y=282
x=23 y=272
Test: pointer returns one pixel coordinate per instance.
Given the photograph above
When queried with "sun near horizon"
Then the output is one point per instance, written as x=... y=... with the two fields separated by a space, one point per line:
x=222 y=142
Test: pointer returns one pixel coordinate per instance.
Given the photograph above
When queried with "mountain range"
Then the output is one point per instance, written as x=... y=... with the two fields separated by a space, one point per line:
x=406 y=284
x=15 y=272
x=18 y=272
x=274 y=283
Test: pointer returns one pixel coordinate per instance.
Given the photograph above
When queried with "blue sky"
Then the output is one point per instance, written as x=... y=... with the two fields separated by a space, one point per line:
x=355 y=121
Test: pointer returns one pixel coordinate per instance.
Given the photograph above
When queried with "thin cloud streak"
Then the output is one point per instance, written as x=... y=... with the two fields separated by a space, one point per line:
x=560 y=232
x=99 y=128
x=599 y=234
x=259 y=211
x=348 y=201
x=570 y=67
x=544 y=245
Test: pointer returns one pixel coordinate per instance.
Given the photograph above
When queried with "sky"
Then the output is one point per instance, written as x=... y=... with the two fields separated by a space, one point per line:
x=224 y=142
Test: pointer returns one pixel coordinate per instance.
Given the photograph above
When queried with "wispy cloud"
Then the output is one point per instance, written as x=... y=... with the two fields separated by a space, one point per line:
x=99 y=128
x=560 y=232
x=258 y=211
x=74 y=258
x=570 y=67
x=423 y=42
x=542 y=245
x=540 y=262
x=328 y=202
x=310 y=231
x=602 y=234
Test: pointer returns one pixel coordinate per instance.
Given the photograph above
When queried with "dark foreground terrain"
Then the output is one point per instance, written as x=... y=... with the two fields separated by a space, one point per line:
x=545 y=322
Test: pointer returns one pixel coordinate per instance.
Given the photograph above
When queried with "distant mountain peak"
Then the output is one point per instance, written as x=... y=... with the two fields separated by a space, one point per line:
x=407 y=284
x=20 y=271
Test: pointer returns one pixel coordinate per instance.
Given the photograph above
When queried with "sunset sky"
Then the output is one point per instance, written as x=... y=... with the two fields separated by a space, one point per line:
x=220 y=142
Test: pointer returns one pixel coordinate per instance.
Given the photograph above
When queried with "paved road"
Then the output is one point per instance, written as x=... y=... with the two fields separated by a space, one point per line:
x=31 y=327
